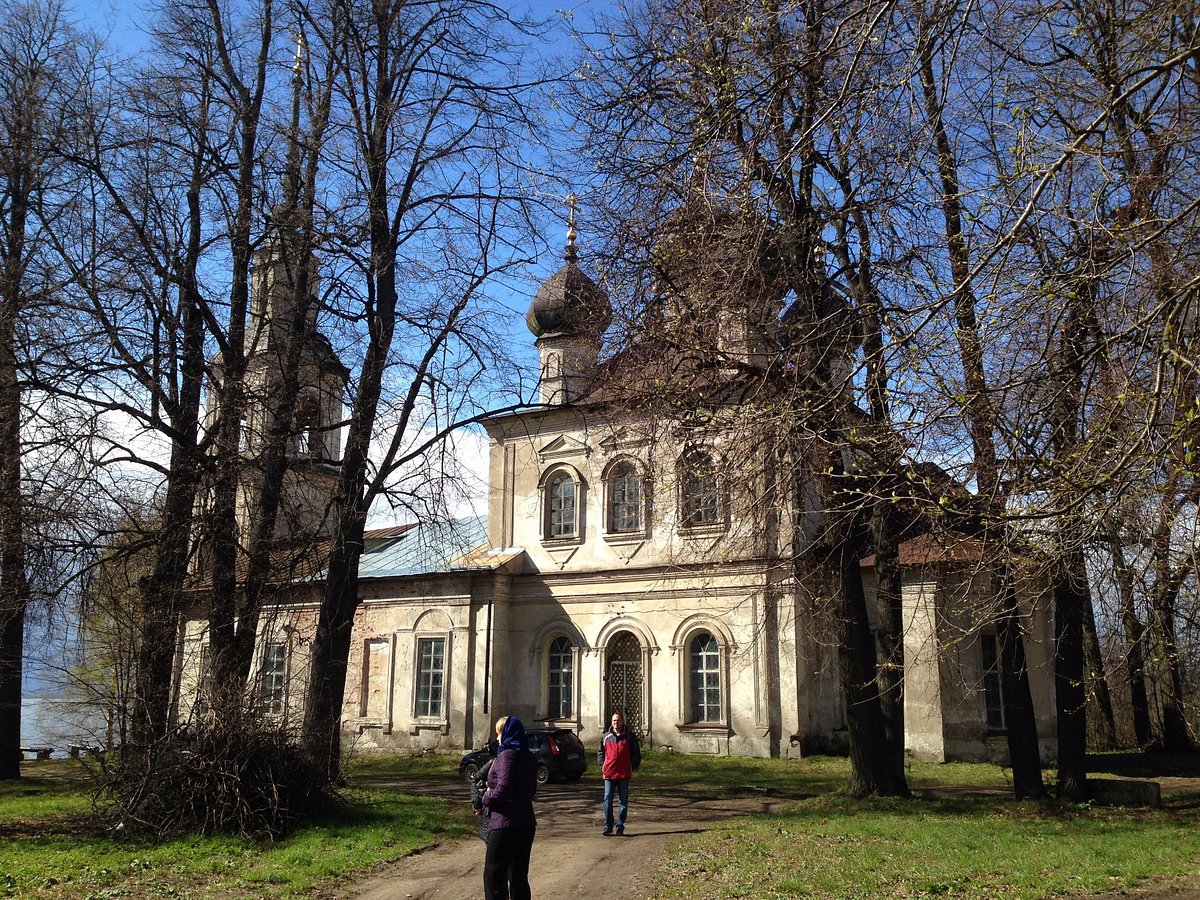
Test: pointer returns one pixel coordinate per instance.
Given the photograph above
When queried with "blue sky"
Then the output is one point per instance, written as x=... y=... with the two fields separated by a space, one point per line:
x=124 y=24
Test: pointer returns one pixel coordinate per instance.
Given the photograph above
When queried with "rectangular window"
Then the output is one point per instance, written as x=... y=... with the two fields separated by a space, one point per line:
x=625 y=500
x=704 y=658
x=993 y=686
x=559 y=681
x=273 y=679
x=431 y=677
x=562 y=508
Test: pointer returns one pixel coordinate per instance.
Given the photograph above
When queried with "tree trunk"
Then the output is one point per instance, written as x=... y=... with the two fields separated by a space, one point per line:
x=1019 y=717
x=1070 y=597
x=873 y=770
x=979 y=412
x=330 y=657
x=1134 y=640
x=162 y=592
x=1097 y=680
x=18 y=175
x=14 y=584
x=1174 y=720
x=890 y=631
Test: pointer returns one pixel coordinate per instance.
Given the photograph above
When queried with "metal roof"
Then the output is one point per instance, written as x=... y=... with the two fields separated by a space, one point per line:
x=422 y=549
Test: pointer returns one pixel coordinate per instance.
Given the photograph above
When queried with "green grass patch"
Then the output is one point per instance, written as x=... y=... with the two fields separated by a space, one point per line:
x=51 y=848
x=721 y=776
x=961 y=836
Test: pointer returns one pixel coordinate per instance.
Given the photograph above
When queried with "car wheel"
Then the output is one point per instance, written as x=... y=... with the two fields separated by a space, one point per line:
x=470 y=770
x=543 y=773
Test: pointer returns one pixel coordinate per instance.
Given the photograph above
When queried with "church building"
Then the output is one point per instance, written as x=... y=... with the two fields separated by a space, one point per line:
x=635 y=556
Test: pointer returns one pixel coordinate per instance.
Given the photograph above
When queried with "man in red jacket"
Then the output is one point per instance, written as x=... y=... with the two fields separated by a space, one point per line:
x=618 y=757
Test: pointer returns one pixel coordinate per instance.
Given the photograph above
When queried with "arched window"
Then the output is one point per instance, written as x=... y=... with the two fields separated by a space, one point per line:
x=700 y=491
x=561 y=509
x=704 y=683
x=626 y=502
x=306 y=440
x=560 y=679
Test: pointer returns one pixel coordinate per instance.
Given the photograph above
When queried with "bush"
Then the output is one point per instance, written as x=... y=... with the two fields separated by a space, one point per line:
x=244 y=778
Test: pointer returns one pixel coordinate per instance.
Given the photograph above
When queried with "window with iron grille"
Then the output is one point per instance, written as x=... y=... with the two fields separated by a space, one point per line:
x=704 y=663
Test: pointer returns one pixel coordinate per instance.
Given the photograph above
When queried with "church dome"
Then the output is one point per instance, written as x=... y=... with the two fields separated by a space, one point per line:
x=569 y=302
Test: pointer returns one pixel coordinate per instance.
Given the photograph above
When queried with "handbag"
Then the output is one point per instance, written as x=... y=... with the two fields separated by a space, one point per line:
x=484 y=828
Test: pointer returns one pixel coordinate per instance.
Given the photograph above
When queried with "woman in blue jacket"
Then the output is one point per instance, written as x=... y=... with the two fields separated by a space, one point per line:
x=511 y=784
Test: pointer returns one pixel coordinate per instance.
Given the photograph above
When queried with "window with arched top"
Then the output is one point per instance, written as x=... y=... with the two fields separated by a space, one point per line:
x=562 y=507
x=560 y=679
x=704 y=679
x=626 y=499
x=306 y=438
x=699 y=491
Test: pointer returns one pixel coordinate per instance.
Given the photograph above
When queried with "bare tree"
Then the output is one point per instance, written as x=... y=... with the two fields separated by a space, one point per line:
x=43 y=63
x=757 y=107
x=427 y=110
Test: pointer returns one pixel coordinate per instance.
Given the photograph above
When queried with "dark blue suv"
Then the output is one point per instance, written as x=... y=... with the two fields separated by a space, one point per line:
x=559 y=753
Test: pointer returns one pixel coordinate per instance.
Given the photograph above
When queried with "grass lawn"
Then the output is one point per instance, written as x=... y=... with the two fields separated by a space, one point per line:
x=946 y=842
x=49 y=849
x=961 y=836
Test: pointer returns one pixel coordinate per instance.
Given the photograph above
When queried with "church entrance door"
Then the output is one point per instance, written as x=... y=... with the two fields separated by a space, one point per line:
x=624 y=679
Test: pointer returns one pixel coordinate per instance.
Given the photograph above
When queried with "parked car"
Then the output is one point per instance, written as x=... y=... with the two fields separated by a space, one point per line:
x=558 y=751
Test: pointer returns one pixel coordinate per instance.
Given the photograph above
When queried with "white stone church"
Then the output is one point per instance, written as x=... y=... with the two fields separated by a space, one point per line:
x=621 y=566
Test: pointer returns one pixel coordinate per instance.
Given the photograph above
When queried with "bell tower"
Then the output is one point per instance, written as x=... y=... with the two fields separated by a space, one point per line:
x=284 y=352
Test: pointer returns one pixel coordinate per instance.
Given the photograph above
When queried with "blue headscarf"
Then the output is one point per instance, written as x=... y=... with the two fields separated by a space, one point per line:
x=513 y=735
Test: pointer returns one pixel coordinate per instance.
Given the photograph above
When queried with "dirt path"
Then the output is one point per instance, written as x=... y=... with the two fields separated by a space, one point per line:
x=572 y=861
x=570 y=857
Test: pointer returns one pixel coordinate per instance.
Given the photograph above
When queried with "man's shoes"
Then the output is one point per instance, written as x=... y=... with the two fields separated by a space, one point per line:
x=607 y=832
x=620 y=832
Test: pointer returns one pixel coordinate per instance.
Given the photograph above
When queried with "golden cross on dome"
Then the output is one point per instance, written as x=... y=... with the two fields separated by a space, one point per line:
x=572 y=201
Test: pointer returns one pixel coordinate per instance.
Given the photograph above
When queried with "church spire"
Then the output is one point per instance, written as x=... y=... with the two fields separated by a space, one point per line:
x=291 y=171
x=571 y=254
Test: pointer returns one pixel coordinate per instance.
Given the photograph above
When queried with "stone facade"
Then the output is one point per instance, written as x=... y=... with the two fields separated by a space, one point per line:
x=631 y=560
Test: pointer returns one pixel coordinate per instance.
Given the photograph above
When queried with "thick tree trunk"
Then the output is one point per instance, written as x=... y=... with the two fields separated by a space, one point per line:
x=873 y=770
x=330 y=657
x=1174 y=720
x=980 y=414
x=1134 y=641
x=14 y=584
x=226 y=537
x=19 y=175
x=1100 y=696
x=162 y=592
x=890 y=632
x=1019 y=716
x=12 y=640
x=1070 y=597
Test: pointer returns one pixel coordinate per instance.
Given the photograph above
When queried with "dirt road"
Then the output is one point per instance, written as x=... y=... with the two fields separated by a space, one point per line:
x=572 y=861
x=570 y=857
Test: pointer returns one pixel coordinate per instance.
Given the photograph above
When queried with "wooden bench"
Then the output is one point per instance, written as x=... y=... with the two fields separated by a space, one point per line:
x=38 y=752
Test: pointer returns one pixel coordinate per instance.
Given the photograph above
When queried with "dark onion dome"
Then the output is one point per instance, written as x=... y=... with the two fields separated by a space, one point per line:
x=723 y=251
x=568 y=302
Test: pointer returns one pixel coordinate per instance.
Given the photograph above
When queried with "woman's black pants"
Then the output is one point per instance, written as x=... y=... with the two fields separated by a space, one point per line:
x=506 y=868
